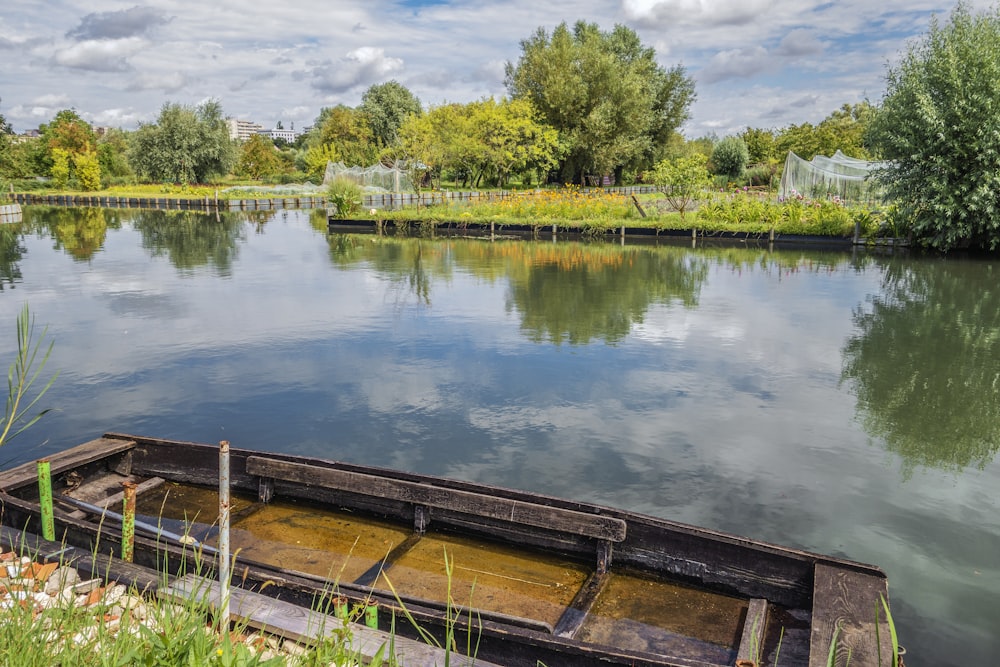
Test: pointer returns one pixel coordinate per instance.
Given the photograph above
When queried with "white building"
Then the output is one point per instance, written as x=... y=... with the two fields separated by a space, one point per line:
x=287 y=135
x=243 y=129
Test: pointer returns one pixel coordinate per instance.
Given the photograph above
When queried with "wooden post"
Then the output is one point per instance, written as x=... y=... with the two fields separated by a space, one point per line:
x=128 y=521
x=224 y=532
x=45 y=499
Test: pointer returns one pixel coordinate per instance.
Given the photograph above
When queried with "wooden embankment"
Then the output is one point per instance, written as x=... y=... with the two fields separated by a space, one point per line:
x=10 y=213
x=171 y=203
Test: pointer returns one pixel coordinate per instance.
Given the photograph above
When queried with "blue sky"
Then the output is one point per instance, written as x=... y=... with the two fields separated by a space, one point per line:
x=758 y=63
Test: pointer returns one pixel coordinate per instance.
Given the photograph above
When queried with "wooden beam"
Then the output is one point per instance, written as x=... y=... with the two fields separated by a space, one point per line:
x=754 y=628
x=850 y=601
x=574 y=616
x=71 y=458
x=504 y=509
x=306 y=625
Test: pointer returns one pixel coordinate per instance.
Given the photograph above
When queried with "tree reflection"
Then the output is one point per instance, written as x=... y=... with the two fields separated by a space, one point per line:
x=578 y=293
x=925 y=363
x=568 y=292
x=80 y=232
x=11 y=252
x=192 y=239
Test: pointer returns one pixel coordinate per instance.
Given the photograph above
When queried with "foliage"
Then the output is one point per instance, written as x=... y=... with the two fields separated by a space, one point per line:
x=349 y=131
x=683 y=181
x=185 y=145
x=112 y=154
x=88 y=170
x=730 y=157
x=564 y=204
x=316 y=158
x=345 y=195
x=484 y=140
x=844 y=130
x=762 y=145
x=386 y=106
x=614 y=107
x=939 y=124
x=258 y=158
x=60 y=167
x=22 y=376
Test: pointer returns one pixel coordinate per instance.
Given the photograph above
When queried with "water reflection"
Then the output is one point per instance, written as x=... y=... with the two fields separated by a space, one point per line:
x=12 y=250
x=924 y=363
x=571 y=293
x=192 y=240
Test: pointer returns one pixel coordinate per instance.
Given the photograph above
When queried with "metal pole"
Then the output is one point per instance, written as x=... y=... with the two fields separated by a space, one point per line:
x=45 y=499
x=128 y=521
x=224 y=529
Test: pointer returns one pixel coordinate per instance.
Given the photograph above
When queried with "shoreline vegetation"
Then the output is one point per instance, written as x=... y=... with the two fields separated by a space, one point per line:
x=743 y=212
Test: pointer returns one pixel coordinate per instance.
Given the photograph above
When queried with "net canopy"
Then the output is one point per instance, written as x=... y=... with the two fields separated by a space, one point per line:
x=377 y=178
x=835 y=176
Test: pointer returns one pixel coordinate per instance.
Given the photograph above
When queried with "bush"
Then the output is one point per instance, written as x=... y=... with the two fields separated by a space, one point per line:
x=345 y=195
x=939 y=127
x=730 y=157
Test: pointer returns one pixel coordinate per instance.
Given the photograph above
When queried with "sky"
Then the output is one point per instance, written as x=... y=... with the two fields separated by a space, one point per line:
x=755 y=63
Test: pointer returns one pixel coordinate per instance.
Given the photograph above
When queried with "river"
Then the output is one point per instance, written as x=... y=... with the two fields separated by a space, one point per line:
x=840 y=402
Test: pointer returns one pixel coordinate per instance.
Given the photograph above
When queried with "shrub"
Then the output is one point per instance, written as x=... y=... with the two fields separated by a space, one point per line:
x=730 y=157
x=345 y=195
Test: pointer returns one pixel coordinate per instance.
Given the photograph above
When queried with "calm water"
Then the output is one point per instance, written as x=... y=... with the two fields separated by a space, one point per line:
x=843 y=403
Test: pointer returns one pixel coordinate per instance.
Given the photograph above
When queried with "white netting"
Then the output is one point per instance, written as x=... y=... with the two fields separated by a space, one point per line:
x=823 y=177
x=377 y=178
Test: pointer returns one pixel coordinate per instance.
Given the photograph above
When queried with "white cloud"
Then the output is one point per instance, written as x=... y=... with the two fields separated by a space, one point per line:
x=100 y=55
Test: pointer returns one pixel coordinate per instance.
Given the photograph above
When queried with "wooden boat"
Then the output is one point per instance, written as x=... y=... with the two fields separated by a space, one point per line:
x=521 y=578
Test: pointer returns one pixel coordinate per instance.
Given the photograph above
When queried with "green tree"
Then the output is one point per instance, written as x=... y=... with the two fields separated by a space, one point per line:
x=614 y=107
x=939 y=124
x=88 y=170
x=112 y=153
x=60 y=167
x=258 y=158
x=386 y=106
x=683 y=180
x=64 y=139
x=349 y=131
x=508 y=139
x=730 y=157
x=184 y=145
x=761 y=145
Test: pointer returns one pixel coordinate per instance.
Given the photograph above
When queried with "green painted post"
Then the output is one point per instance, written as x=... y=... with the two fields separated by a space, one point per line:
x=371 y=615
x=340 y=608
x=45 y=499
x=128 y=521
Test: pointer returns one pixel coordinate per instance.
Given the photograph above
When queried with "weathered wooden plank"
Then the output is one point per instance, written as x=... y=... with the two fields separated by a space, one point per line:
x=574 y=616
x=851 y=601
x=305 y=625
x=752 y=640
x=80 y=455
x=507 y=509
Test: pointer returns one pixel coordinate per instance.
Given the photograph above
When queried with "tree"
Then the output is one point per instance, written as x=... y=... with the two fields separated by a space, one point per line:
x=761 y=145
x=614 y=107
x=939 y=124
x=683 y=180
x=386 y=106
x=112 y=153
x=505 y=139
x=258 y=158
x=349 y=132
x=730 y=157
x=66 y=138
x=185 y=145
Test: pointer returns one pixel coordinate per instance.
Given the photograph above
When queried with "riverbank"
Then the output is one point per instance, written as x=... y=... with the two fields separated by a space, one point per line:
x=632 y=232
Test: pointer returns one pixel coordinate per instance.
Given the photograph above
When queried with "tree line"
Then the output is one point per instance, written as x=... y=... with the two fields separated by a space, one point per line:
x=585 y=104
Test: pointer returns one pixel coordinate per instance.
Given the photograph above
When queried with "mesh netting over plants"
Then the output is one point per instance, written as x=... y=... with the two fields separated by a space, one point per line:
x=824 y=177
x=377 y=178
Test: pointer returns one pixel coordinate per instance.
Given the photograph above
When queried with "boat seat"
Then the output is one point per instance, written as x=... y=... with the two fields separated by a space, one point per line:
x=611 y=529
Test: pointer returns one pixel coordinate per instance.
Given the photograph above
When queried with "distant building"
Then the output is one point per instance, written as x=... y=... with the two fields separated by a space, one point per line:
x=243 y=129
x=287 y=135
